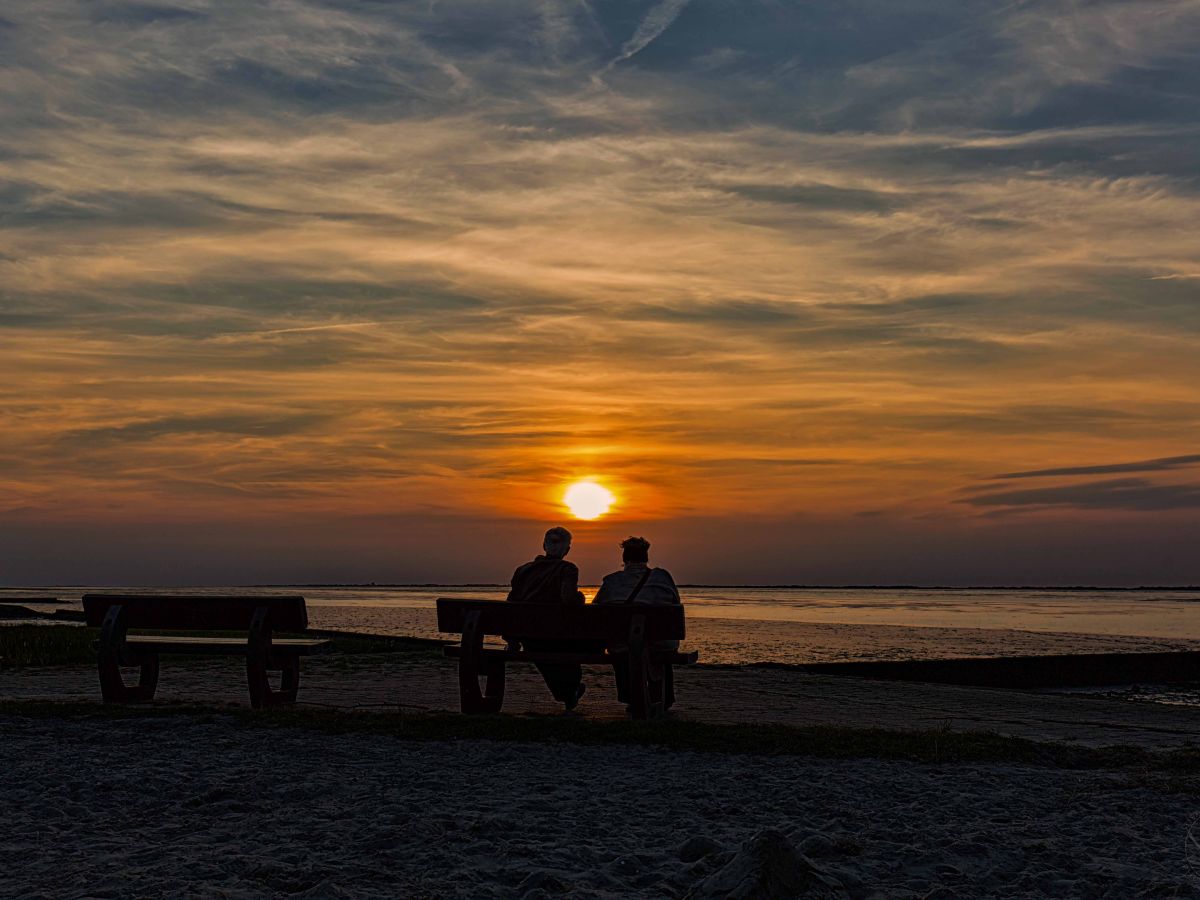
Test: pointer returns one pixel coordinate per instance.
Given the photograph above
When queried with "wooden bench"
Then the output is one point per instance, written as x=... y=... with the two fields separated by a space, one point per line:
x=257 y=617
x=626 y=630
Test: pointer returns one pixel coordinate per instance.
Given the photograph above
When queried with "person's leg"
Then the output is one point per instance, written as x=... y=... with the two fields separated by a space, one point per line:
x=559 y=678
x=563 y=679
x=620 y=666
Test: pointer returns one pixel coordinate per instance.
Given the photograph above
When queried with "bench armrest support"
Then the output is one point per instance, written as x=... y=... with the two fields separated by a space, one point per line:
x=114 y=652
x=260 y=659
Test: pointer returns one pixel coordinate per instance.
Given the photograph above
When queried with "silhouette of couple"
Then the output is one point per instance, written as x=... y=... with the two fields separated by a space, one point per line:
x=551 y=579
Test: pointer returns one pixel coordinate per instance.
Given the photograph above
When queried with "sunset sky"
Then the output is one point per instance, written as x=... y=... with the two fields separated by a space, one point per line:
x=842 y=291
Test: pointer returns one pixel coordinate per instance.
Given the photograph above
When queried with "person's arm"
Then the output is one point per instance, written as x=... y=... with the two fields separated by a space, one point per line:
x=659 y=590
x=512 y=584
x=512 y=642
x=671 y=584
x=569 y=585
x=604 y=594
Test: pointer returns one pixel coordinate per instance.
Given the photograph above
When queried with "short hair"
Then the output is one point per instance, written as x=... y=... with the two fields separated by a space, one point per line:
x=557 y=541
x=635 y=549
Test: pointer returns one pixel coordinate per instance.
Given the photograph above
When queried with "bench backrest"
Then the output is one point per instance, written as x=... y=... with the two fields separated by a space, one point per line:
x=559 y=620
x=197 y=613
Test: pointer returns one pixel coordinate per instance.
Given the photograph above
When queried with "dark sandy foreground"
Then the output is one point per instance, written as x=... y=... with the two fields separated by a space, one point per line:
x=183 y=806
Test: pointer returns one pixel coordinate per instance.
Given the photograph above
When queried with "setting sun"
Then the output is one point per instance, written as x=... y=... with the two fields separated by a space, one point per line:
x=588 y=500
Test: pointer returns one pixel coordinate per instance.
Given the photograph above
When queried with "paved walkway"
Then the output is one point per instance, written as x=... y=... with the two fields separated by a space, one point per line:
x=706 y=693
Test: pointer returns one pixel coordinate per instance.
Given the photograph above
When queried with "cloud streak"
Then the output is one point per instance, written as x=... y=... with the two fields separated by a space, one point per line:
x=1125 y=494
x=421 y=257
x=1147 y=465
x=658 y=19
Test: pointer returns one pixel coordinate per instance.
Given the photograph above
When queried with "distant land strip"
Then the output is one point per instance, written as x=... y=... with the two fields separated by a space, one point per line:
x=789 y=587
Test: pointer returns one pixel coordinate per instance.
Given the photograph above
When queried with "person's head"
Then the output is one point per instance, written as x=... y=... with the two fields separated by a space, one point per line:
x=635 y=550
x=557 y=542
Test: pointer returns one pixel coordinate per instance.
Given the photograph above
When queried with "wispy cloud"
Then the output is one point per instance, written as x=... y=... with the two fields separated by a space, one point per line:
x=334 y=326
x=1124 y=494
x=922 y=243
x=657 y=20
x=1145 y=465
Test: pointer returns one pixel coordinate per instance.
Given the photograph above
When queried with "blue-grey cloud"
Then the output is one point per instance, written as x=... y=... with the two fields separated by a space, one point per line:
x=142 y=13
x=1163 y=464
x=1136 y=494
x=820 y=196
x=248 y=424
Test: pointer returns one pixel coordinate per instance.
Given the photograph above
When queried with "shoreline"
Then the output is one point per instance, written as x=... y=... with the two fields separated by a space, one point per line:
x=1188 y=588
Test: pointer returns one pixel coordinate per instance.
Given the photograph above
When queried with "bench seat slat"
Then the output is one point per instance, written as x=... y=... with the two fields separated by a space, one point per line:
x=588 y=659
x=226 y=646
x=555 y=620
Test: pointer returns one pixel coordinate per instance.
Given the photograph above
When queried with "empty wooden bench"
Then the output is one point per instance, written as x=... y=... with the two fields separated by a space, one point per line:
x=626 y=630
x=257 y=618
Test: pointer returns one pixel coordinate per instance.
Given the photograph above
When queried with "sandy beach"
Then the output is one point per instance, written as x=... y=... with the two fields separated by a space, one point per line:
x=220 y=802
x=185 y=806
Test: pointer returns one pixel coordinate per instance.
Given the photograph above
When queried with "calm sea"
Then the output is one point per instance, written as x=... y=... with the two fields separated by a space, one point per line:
x=800 y=625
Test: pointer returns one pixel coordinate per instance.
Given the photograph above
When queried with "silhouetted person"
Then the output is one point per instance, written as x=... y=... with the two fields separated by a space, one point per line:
x=551 y=579
x=636 y=582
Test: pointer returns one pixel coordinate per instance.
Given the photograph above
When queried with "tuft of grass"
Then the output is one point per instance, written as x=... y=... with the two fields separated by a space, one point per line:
x=931 y=746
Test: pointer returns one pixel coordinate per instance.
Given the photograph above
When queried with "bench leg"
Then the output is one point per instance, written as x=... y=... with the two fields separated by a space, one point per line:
x=474 y=700
x=262 y=696
x=471 y=667
x=112 y=684
x=261 y=658
x=113 y=652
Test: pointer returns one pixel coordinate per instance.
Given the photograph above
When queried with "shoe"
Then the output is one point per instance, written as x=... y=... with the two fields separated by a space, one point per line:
x=571 y=704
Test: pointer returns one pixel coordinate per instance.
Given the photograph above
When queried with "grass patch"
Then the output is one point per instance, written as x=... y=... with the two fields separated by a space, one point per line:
x=46 y=645
x=939 y=746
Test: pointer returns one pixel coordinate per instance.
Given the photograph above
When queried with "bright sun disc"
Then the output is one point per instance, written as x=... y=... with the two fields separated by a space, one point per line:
x=588 y=500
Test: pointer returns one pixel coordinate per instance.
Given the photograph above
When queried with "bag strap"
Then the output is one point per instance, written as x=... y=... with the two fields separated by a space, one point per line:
x=637 y=590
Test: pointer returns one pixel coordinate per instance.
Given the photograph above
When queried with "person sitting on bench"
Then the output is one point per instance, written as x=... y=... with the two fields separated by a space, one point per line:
x=636 y=582
x=551 y=579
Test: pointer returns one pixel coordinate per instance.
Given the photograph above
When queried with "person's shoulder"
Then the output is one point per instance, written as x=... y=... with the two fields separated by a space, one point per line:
x=614 y=576
x=663 y=574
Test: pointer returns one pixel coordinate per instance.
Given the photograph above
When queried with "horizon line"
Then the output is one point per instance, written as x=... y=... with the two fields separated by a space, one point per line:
x=793 y=587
